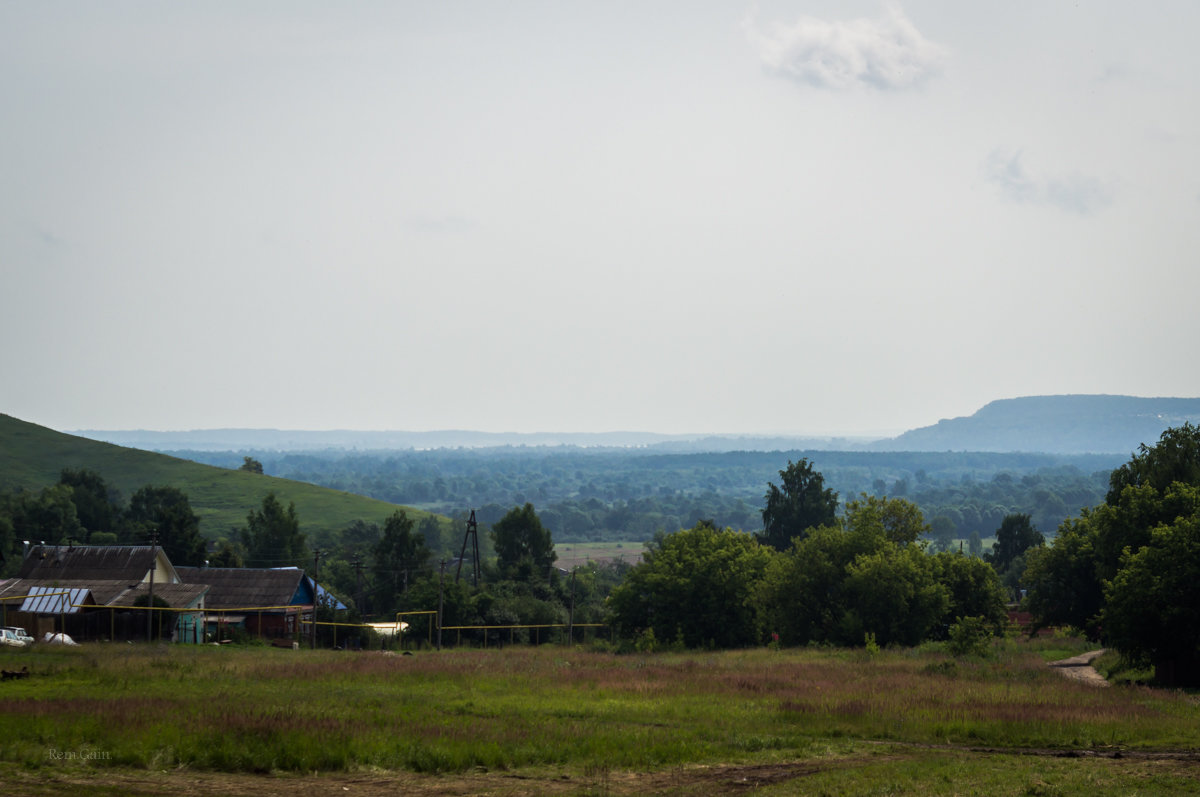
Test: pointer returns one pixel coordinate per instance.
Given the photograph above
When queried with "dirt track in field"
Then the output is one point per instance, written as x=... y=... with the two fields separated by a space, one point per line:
x=703 y=780
x=679 y=780
x=1080 y=668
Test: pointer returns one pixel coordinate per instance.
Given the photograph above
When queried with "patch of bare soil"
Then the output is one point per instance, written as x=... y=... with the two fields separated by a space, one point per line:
x=684 y=780
x=722 y=779
x=1080 y=668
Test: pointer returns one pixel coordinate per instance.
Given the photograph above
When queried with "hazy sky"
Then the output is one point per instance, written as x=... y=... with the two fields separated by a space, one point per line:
x=671 y=216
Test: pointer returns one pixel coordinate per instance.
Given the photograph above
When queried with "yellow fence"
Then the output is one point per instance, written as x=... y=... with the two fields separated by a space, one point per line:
x=204 y=615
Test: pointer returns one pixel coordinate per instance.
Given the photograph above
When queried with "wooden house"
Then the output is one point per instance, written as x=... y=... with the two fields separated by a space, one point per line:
x=90 y=592
x=273 y=603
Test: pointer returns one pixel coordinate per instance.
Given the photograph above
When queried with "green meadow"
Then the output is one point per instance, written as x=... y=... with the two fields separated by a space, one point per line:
x=575 y=554
x=582 y=721
x=33 y=457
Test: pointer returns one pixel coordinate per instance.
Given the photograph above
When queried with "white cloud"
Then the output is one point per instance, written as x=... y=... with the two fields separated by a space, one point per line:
x=884 y=53
x=1073 y=193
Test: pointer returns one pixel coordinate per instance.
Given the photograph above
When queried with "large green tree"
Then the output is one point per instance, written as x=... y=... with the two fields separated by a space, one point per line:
x=272 y=536
x=892 y=593
x=973 y=589
x=1152 y=605
x=399 y=558
x=1015 y=536
x=524 y=548
x=901 y=521
x=863 y=574
x=167 y=511
x=1124 y=569
x=698 y=586
x=1175 y=458
x=46 y=517
x=803 y=502
x=96 y=504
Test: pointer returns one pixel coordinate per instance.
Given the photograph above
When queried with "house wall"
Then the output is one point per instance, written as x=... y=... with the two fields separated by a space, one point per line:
x=163 y=572
x=189 y=630
x=272 y=625
x=119 y=623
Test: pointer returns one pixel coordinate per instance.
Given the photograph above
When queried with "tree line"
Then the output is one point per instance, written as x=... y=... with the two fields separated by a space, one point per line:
x=632 y=494
x=1128 y=570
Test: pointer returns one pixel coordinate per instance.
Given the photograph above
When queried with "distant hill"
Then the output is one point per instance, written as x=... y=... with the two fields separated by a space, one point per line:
x=349 y=439
x=1072 y=424
x=280 y=440
x=1069 y=424
x=32 y=457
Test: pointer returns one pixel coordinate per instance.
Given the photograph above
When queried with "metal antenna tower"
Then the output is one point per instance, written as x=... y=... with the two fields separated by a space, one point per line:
x=472 y=535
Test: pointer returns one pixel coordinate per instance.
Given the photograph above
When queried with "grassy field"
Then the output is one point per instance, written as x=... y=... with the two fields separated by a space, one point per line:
x=572 y=554
x=32 y=457
x=556 y=720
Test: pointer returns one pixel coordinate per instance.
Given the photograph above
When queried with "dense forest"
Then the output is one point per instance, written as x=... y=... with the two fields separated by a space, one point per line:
x=631 y=494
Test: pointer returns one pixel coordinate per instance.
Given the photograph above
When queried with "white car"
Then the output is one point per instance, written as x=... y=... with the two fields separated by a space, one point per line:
x=20 y=632
x=10 y=639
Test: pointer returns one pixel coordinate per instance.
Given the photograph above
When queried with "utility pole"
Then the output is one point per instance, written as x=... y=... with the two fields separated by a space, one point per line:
x=316 y=574
x=441 y=602
x=150 y=601
x=571 y=614
x=358 y=597
x=473 y=535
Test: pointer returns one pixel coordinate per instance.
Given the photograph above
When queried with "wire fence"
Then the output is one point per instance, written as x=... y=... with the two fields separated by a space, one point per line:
x=277 y=623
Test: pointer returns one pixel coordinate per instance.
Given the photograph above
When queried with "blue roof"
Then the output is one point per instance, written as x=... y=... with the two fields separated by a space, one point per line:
x=324 y=596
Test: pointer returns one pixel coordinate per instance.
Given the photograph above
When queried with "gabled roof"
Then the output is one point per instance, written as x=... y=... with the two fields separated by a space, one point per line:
x=97 y=592
x=89 y=562
x=246 y=587
x=177 y=596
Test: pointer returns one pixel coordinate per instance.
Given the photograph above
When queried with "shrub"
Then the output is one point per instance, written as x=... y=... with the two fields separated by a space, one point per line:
x=970 y=636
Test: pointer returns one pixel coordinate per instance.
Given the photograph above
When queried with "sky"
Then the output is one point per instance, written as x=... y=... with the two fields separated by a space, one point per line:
x=677 y=217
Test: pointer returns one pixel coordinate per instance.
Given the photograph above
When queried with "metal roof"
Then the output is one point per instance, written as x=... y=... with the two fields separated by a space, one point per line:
x=245 y=587
x=177 y=596
x=106 y=592
x=242 y=587
x=90 y=562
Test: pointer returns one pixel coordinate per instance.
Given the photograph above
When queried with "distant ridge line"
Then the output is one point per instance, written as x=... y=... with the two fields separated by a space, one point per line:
x=1058 y=424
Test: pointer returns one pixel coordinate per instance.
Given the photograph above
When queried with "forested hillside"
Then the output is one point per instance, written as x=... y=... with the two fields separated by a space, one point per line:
x=629 y=494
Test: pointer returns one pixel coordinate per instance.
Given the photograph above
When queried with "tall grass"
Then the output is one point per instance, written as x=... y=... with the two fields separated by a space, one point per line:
x=262 y=709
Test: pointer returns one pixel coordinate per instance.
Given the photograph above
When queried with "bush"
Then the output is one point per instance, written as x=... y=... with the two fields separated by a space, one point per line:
x=970 y=636
x=646 y=643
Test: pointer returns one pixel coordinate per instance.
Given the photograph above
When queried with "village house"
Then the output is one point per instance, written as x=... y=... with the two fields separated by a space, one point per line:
x=272 y=603
x=95 y=592
x=100 y=592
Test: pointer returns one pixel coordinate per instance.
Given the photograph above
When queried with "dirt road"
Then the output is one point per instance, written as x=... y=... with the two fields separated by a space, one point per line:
x=1080 y=668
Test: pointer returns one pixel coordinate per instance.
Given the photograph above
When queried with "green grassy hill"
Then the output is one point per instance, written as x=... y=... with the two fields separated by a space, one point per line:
x=32 y=457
